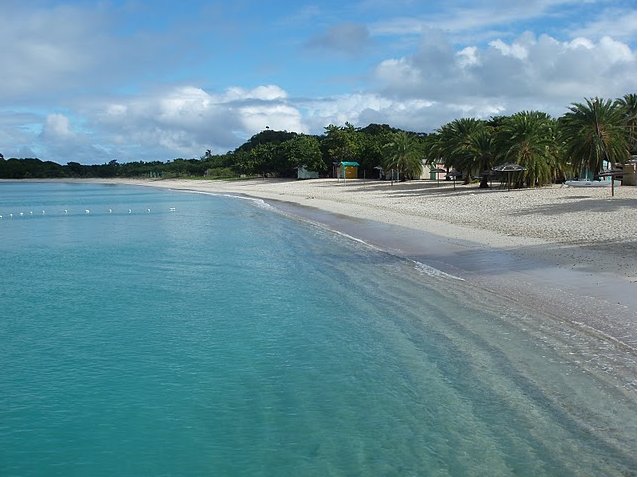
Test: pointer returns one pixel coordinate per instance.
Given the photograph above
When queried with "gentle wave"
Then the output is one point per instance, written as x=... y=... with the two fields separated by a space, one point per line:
x=433 y=272
x=419 y=266
x=256 y=200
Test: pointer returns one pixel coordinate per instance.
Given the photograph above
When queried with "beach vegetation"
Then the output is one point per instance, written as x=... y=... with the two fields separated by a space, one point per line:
x=529 y=139
x=304 y=151
x=403 y=154
x=465 y=145
x=627 y=106
x=593 y=132
x=480 y=150
x=341 y=143
x=371 y=156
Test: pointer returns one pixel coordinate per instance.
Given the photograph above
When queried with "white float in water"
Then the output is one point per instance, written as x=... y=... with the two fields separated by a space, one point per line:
x=87 y=211
x=129 y=211
x=172 y=209
x=110 y=211
x=66 y=212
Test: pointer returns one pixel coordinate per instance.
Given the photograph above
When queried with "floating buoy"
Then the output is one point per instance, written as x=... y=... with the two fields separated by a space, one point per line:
x=129 y=211
x=172 y=209
x=87 y=211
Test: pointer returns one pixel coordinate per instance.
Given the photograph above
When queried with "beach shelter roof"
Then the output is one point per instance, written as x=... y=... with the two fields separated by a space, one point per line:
x=349 y=164
x=511 y=167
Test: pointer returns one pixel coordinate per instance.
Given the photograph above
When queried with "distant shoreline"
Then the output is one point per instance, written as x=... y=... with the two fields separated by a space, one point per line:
x=568 y=251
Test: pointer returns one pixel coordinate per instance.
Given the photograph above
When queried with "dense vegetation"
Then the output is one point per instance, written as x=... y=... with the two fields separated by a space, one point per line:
x=549 y=149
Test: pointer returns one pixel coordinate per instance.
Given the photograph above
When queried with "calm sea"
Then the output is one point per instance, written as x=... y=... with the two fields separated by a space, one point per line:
x=160 y=333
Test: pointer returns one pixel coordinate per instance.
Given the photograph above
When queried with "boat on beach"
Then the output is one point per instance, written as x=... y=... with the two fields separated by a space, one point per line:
x=591 y=183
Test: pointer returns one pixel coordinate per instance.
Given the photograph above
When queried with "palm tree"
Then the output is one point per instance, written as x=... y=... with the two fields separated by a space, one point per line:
x=481 y=150
x=404 y=155
x=627 y=104
x=453 y=144
x=529 y=139
x=593 y=132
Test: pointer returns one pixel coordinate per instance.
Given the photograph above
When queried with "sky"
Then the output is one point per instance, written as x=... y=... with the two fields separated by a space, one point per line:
x=145 y=80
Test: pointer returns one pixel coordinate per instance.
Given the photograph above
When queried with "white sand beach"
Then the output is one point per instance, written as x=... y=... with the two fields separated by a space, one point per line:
x=570 y=250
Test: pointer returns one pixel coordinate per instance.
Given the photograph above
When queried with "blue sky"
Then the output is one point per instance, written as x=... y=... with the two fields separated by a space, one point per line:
x=92 y=81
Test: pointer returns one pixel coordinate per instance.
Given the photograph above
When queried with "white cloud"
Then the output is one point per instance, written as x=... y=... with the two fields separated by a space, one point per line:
x=468 y=56
x=528 y=73
x=399 y=73
x=275 y=116
x=186 y=120
x=515 y=50
x=57 y=127
x=267 y=93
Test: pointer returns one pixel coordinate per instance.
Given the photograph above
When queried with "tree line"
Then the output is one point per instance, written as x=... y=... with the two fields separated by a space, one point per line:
x=549 y=149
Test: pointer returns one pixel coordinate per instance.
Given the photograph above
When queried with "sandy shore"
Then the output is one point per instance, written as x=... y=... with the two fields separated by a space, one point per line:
x=583 y=228
x=569 y=250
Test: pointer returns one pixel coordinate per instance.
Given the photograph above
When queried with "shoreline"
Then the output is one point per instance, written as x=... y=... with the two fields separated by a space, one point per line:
x=568 y=252
x=579 y=266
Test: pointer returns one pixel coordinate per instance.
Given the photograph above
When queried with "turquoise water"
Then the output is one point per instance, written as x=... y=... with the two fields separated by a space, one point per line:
x=224 y=338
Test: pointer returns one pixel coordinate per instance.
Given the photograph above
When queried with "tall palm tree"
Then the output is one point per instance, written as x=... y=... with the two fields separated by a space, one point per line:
x=595 y=132
x=627 y=104
x=480 y=150
x=529 y=139
x=404 y=155
x=453 y=143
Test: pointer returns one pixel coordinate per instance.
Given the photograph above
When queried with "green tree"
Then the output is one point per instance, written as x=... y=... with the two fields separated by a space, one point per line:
x=304 y=151
x=627 y=106
x=404 y=155
x=454 y=142
x=480 y=150
x=341 y=143
x=371 y=141
x=261 y=159
x=529 y=139
x=594 y=132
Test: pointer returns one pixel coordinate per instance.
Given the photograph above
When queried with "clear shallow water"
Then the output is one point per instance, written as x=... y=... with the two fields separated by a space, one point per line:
x=223 y=338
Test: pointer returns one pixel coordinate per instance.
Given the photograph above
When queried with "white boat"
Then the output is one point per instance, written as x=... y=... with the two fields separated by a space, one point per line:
x=587 y=183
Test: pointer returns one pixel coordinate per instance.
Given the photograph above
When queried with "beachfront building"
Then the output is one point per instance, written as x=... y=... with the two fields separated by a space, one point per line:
x=425 y=170
x=435 y=172
x=348 y=170
x=629 y=169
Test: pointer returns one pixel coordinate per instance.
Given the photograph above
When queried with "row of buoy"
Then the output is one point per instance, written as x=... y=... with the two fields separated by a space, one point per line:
x=66 y=212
